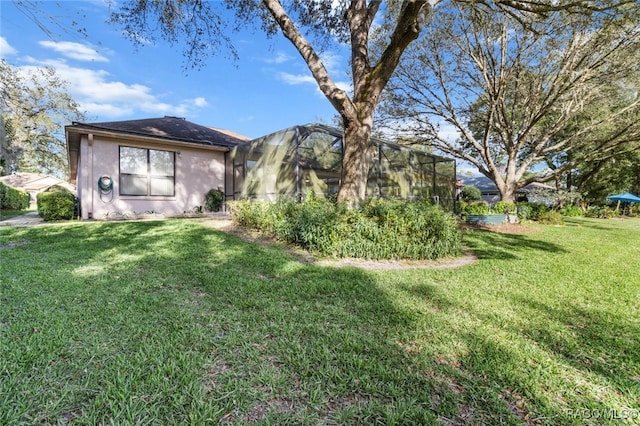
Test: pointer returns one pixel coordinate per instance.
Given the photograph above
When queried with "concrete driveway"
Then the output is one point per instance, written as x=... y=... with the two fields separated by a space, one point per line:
x=27 y=219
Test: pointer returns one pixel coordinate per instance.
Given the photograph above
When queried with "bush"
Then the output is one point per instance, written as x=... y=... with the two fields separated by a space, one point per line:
x=476 y=207
x=471 y=193
x=530 y=211
x=12 y=198
x=605 y=212
x=523 y=210
x=381 y=229
x=56 y=203
x=550 y=218
x=213 y=200
x=505 y=207
x=570 y=210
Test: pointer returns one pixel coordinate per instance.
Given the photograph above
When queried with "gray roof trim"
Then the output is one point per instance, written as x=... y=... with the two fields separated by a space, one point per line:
x=171 y=129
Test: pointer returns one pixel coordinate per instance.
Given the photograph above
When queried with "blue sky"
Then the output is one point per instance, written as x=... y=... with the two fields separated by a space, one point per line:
x=269 y=88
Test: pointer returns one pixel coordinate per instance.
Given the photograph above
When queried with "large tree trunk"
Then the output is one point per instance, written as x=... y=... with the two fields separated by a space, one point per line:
x=358 y=153
x=508 y=193
x=508 y=184
x=368 y=80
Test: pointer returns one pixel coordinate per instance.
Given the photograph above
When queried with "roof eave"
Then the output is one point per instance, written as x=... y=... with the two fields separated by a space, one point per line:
x=80 y=130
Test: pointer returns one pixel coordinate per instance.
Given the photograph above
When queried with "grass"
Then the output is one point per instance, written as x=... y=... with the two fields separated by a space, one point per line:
x=171 y=322
x=6 y=213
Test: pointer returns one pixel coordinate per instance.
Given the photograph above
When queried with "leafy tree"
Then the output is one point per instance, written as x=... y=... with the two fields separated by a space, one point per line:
x=620 y=173
x=34 y=106
x=558 y=91
x=395 y=25
x=471 y=193
x=357 y=23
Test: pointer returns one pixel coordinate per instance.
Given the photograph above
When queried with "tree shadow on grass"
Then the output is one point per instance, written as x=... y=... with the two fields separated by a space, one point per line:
x=502 y=358
x=174 y=322
x=589 y=340
x=177 y=322
x=494 y=245
x=632 y=223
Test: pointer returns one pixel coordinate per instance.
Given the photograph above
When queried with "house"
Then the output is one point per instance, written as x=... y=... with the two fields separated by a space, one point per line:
x=158 y=165
x=490 y=192
x=34 y=183
x=167 y=165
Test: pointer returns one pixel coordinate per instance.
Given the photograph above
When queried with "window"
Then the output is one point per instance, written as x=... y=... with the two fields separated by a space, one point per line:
x=146 y=171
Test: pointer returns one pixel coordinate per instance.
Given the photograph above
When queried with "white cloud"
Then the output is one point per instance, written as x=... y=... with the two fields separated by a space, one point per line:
x=200 y=102
x=5 y=48
x=294 y=79
x=448 y=132
x=100 y=96
x=74 y=50
x=345 y=85
x=332 y=61
x=279 y=58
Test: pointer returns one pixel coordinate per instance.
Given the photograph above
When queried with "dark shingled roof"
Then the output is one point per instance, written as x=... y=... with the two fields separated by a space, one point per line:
x=170 y=128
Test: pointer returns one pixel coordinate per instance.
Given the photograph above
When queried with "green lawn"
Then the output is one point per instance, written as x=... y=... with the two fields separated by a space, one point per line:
x=171 y=322
x=7 y=214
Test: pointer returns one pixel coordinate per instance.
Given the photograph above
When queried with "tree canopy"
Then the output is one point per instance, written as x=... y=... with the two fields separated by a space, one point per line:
x=34 y=107
x=311 y=25
x=559 y=91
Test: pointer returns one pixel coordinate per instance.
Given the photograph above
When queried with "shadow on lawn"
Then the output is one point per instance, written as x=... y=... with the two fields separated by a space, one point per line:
x=276 y=340
x=617 y=224
x=496 y=359
x=279 y=340
x=301 y=344
x=591 y=341
x=494 y=245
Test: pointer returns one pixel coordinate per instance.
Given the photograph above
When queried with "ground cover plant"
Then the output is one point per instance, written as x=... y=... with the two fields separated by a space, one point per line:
x=379 y=229
x=172 y=322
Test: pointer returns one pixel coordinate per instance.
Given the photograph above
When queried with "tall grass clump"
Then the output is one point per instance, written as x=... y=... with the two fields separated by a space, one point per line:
x=380 y=229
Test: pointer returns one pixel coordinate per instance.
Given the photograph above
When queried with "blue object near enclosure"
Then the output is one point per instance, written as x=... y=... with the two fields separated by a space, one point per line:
x=626 y=197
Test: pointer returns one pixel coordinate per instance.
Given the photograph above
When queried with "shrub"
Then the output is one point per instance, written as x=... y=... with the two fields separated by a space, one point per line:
x=381 y=229
x=605 y=212
x=56 y=203
x=523 y=210
x=550 y=218
x=505 y=207
x=476 y=207
x=213 y=200
x=12 y=198
x=570 y=210
x=471 y=193
x=530 y=211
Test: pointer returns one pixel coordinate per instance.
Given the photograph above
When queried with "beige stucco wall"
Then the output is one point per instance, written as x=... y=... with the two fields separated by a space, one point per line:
x=197 y=171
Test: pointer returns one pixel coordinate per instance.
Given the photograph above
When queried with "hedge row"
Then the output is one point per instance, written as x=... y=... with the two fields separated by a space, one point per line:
x=12 y=198
x=381 y=229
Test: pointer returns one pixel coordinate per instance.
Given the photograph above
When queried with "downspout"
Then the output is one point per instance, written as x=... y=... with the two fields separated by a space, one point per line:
x=297 y=156
x=91 y=179
x=380 y=171
x=225 y=175
x=434 y=197
x=455 y=188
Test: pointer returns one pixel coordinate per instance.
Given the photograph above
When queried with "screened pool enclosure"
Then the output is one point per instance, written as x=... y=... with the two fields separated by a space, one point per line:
x=303 y=159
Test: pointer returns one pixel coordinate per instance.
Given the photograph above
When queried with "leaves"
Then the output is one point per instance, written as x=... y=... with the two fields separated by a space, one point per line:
x=561 y=88
x=35 y=105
